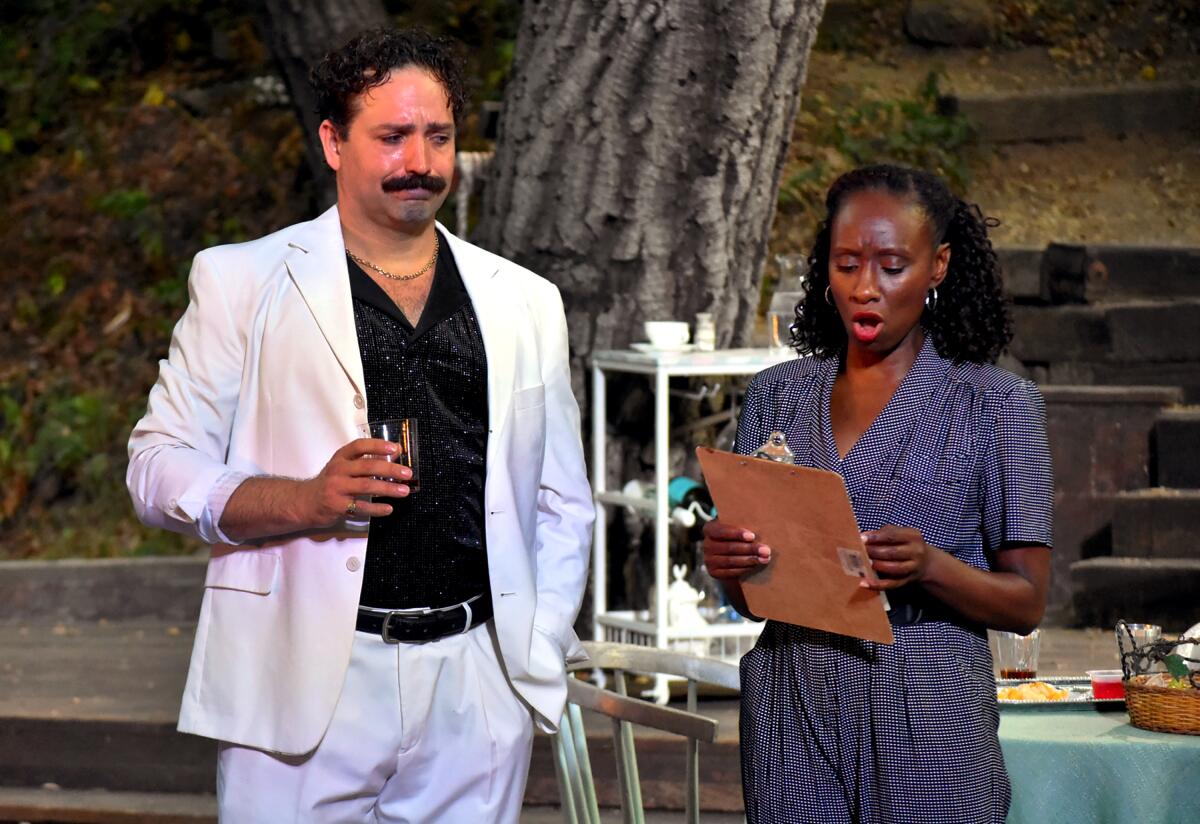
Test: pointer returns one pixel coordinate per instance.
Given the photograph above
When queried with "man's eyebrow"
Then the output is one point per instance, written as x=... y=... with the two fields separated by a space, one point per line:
x=409 y=128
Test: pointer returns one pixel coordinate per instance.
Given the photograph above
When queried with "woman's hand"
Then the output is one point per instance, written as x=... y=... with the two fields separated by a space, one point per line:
x=1010 y=596
x=731 y=552
x=899 y=556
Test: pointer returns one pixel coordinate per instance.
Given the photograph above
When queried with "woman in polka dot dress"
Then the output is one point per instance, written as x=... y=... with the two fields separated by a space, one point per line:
x=945 y=459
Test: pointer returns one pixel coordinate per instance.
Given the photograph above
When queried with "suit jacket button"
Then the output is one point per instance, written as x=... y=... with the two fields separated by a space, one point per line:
x=358 y=402
x=352 y=563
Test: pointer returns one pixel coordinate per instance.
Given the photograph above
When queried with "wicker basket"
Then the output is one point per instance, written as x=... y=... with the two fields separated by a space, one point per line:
x=1162 y=709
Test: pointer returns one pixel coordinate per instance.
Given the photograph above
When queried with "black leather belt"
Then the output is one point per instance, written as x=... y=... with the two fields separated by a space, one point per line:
x=414 y=626
x=908 y=613
x=902 y=615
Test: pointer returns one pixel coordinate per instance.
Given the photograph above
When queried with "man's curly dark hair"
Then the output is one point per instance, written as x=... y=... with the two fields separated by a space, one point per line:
x=970 y=320
x=367 y=61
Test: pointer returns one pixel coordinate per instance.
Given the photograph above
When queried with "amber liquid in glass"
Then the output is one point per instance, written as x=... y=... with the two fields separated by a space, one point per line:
x=1017 y=673
x=413 y=484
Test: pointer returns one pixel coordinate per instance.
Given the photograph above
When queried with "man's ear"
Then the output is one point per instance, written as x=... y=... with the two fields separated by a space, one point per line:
x=941 y=264
x=331 y=142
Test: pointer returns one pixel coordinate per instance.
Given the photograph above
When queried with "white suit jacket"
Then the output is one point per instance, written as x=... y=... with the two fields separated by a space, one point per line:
x=264 y=377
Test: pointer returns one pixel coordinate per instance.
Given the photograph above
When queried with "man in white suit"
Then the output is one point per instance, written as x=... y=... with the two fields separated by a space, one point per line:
x=367 y=650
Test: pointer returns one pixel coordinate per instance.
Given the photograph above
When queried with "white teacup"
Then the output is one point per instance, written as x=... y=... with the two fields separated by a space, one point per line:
x=666 y=334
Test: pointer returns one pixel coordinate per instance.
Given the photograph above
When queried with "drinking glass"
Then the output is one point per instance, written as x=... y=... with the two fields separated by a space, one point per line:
x=1017 y=655
x=781 y=314
x=402 y=432
x=1141 y=636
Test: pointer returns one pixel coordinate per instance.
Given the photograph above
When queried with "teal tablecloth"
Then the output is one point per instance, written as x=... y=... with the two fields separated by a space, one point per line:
x=1094 y=768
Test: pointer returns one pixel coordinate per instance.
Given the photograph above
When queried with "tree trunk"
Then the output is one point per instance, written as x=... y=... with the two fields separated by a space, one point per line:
x=299 y=33
x=641 y=146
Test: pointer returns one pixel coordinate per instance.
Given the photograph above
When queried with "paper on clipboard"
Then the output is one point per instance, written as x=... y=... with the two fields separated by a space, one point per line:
x=817 y=556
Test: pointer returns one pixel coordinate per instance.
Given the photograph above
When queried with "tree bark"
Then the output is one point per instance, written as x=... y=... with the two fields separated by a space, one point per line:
x=299 y=33
x=640 y=151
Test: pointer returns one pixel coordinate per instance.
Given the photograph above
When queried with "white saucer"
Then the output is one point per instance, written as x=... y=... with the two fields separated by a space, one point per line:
x=650 y=349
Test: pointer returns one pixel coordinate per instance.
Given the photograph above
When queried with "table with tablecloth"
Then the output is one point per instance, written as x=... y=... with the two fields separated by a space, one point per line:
x=1081 y=765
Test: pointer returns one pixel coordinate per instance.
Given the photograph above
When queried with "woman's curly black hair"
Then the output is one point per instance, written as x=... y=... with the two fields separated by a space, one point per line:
x=970 y=320
x=368 y=60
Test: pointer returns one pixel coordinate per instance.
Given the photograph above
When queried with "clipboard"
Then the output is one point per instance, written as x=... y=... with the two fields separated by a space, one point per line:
x=817 y=555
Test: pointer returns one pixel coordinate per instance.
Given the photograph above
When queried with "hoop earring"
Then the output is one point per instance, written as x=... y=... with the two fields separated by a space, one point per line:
x=829 y=295
x=931 y=299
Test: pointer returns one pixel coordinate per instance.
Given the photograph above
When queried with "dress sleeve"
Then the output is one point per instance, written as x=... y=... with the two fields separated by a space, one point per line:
x=1018 y=479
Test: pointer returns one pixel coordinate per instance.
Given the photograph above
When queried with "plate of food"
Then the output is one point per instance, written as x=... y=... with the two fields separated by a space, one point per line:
x=1060 y=692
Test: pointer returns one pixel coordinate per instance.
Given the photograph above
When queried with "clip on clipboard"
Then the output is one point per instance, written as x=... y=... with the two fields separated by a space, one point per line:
x=817 y=555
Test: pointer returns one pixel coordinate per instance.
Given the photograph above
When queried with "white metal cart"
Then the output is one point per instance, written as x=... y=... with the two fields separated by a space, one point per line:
x=727 y=640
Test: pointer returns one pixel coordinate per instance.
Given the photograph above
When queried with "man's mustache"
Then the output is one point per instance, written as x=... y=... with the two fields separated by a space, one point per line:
x=431 y=183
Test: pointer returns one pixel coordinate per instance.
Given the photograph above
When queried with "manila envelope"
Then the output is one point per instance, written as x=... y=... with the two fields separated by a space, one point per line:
x=817 y=556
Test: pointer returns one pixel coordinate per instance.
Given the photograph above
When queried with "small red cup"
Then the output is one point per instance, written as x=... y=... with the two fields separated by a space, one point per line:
x=1106 y=684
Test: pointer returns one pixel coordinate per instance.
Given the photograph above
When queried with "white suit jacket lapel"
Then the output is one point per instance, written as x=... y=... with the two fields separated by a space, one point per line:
x=316 y=261
x=496 y=310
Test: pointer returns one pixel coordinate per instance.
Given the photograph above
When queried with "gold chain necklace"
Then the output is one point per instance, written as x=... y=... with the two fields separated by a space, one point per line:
x=389 y=275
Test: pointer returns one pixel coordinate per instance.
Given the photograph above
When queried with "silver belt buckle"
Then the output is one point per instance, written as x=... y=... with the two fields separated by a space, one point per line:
x=387 y=638
x=466 y=607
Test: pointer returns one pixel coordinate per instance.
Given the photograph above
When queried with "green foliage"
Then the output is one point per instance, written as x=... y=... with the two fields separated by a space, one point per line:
x=488 y=29
x=57 y=271
x=71 y=432
x=123 y=203
x=913 y=132
x=847 y=128
x=1177 y=666
x=56 y=54
x=62 y=432
x=58 y=464
x=109 y=189
x=863 y=26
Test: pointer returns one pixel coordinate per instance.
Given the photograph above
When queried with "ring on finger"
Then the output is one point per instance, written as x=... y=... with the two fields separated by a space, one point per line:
x=352 y=507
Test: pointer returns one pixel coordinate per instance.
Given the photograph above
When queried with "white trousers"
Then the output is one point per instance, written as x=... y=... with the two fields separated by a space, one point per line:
x=422 y=733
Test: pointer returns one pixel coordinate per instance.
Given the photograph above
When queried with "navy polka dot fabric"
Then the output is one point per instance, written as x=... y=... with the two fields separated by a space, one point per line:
x=836 y=729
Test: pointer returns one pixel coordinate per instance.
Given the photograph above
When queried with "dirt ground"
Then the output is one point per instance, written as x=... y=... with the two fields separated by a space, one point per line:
x=1138 y=190
x=1103 y=190
x=997 y=69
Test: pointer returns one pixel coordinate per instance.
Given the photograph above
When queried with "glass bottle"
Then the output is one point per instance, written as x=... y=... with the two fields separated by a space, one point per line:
x=706 y=332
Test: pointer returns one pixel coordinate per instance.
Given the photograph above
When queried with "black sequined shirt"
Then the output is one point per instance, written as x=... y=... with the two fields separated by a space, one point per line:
x=431 y=551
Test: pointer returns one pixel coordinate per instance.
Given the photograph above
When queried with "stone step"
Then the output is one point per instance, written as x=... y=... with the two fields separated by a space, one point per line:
x=123 y=755
x=57 y=806
x=1100 y=445
x=129 y=758
x=49 y=804
x=1130 y=332
x=1114 y=273
x=114 y=589
x=1157 y=523
x=1184 y=376
x=1079 y=113
x=1177 y=447
x=94 y=704
x=1163 y=591
x=83 y=707
x=1021 y=271
x=1044 y=334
